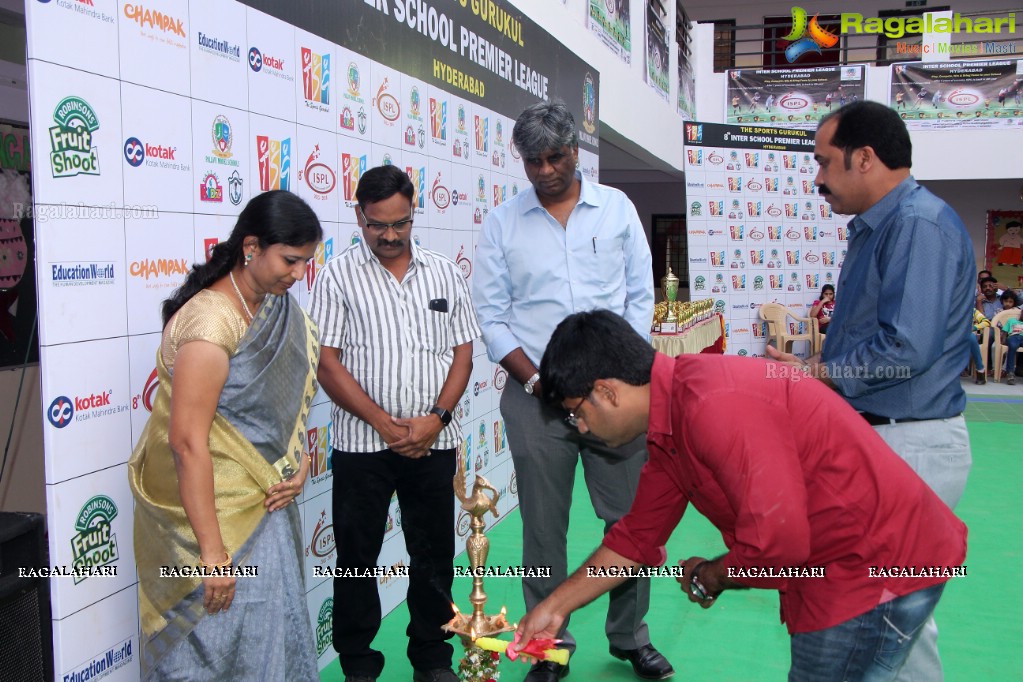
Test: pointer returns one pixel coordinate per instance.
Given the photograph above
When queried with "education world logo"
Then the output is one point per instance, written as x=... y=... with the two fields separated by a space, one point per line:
x=95 y=543
x=807 y=36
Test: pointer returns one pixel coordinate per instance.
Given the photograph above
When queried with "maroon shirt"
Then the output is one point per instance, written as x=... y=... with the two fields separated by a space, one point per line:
x=792 y=477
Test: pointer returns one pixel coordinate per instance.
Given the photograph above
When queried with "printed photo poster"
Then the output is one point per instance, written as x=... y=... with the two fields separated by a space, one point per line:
x=656 y=49
x=794 y=98
x=609 y=20
x=686 y=105
x=757 y=231
x=1004 y=257
x=978 y=94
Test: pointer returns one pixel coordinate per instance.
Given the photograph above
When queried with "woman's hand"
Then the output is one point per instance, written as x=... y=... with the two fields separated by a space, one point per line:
x=280 y=495
x=217 y=593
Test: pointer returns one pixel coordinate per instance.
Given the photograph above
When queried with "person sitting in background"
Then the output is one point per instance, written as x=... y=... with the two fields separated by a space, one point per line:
x=824 y=307
x=219 y=464
x=987 y=299
x=1012 y=336
x=1009 y=299
x=980 y=323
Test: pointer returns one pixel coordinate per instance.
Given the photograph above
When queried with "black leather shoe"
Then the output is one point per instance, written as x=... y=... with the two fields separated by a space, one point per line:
x=360 y=678
x=435 y=675
x=546 y=671
x=648 y=663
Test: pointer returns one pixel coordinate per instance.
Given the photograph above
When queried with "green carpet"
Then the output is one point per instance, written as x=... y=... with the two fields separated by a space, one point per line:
x=741 y=639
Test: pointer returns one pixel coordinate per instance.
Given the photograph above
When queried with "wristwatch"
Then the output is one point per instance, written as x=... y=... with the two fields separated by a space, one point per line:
x=531 y=382
x=445 y=416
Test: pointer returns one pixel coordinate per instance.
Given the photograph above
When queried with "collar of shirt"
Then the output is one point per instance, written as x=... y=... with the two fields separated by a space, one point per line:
x=587 y=195
x=876 y=214
x=365 y=254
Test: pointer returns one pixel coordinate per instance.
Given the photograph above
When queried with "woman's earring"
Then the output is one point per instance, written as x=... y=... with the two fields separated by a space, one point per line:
x=248 y=259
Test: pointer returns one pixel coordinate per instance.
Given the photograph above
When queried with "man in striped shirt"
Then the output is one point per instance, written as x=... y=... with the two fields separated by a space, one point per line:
x=396 y=328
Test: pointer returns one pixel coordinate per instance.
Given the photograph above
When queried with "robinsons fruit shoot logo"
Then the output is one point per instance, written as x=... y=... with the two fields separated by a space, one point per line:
x=325 y=626
x=95 y=544
x=71 y=139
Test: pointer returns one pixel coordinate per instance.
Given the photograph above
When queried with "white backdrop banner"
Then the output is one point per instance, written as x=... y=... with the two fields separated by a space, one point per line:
x=757 y=230
x=146 y=147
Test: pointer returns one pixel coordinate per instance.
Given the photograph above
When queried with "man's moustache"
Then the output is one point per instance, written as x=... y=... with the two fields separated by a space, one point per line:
x=396 y=243
x=823 y=189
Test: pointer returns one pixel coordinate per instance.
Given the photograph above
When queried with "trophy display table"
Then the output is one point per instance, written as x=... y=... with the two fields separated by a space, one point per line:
x=707 y=336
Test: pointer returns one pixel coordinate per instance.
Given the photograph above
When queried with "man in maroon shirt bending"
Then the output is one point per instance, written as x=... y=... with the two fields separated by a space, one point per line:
x=809 y=499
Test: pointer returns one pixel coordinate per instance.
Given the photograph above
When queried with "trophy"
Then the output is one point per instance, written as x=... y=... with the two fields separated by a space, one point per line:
x=669 y=285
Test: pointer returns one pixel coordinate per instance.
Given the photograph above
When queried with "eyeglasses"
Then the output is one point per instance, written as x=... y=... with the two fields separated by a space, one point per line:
x=399 y=226
x=571 y=419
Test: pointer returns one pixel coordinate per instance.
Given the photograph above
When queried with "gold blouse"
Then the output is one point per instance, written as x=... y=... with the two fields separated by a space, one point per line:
x=208 y=316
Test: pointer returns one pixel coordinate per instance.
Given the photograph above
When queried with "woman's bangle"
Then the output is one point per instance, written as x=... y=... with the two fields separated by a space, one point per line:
x=222 y=564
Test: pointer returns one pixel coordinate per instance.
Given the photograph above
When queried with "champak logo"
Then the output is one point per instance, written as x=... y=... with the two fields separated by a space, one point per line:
x=807 y=36
x=71 y=140
x=95 y=544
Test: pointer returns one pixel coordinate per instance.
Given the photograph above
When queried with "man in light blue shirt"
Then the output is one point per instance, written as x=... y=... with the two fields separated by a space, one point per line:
x=564 y=246
x=901 y=335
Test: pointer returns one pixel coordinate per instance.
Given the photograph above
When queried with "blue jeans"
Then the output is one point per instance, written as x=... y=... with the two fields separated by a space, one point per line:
x=1014 y=342
x=978 y=357
x=868 y=648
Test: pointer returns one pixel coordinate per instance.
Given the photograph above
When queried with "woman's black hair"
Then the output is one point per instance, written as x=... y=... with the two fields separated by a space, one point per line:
x=827 y=287
x=274 y=217
x=1009 y=293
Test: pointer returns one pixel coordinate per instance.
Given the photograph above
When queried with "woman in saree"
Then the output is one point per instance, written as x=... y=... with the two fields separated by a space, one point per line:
x=218 y=467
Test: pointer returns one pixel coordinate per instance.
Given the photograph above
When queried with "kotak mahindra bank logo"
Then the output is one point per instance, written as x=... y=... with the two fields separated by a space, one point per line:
x=316 y=79
x=274 y=158
x=73 y=152
x=136 y=152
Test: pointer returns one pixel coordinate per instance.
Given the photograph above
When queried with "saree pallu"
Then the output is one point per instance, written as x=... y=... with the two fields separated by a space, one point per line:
x=255 y=441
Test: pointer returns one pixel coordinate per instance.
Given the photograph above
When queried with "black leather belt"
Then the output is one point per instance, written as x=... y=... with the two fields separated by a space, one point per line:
x=878 y=420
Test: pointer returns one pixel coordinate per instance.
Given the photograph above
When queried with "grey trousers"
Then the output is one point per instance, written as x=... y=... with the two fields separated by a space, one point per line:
x=938 y=450
x=545 y=451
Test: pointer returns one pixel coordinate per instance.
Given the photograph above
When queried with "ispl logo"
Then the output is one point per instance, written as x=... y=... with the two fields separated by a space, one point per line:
x=322 y=545
x=386 y=103
x=440 y=195
x=134 y=152
x=806 y=36
x=317 y=175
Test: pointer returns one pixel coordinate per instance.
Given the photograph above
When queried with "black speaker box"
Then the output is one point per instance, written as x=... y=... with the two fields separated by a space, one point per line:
x=26 y=637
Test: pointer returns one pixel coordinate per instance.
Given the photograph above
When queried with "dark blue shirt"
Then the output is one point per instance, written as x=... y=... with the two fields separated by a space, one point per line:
x=898 y=338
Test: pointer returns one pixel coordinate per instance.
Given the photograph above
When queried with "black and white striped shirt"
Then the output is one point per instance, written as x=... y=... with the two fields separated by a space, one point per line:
x=394 y=345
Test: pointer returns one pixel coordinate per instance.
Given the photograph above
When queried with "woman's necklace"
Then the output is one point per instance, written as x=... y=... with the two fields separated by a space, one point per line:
x=241 y=298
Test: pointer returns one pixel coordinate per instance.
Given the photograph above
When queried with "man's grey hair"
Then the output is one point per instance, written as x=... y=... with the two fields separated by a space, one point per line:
x=542 y=127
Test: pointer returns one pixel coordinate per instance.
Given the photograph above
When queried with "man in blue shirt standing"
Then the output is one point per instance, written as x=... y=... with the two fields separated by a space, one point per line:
x=565 y=246
x=899 y=339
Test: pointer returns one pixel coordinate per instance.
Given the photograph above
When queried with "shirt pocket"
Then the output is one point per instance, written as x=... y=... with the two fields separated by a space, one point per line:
x=431 y=329
x=607 y=263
